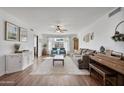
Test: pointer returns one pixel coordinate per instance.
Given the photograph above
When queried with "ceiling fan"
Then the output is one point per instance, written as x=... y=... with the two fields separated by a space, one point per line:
x=59 y=28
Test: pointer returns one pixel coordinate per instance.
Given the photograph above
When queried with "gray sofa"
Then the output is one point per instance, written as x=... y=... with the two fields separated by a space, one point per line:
x=81 y=59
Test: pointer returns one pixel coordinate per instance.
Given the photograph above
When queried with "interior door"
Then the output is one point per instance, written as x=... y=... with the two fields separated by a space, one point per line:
x=76 y=43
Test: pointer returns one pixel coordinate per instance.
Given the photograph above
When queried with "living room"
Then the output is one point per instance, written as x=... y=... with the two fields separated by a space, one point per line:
x=62 y=46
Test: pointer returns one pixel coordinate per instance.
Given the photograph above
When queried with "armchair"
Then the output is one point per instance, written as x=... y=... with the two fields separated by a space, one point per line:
x=62 y=51
x=54 y=51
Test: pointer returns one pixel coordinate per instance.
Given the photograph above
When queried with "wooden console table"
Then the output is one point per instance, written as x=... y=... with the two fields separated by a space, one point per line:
x=112 y=63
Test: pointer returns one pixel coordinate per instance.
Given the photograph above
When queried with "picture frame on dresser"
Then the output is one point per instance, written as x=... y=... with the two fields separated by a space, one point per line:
x=23 y=34
x=11 y=31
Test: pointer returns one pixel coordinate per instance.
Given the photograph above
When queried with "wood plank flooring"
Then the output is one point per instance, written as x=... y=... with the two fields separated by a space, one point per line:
x=23 y=78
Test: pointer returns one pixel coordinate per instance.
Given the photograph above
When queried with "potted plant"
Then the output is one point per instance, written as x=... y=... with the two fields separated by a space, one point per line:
x=45 y=45
x=16 y=46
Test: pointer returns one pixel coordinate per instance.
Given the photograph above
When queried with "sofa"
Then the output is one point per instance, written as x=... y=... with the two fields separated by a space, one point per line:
x=81 y=58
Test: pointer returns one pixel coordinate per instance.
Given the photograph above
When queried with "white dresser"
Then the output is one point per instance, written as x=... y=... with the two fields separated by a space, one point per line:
x=18 y=61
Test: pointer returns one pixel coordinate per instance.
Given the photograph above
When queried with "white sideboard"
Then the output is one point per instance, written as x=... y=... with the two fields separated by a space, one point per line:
x=18 y=62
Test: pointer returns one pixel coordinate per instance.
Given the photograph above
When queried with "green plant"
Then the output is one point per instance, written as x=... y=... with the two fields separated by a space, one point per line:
x=17 y=46
x=45 y=45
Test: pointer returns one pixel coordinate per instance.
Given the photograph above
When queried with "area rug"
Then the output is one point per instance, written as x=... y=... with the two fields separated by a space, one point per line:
x=46 y=68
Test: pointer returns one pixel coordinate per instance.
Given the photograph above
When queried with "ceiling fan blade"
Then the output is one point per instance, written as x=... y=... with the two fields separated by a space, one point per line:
x=58 y=28
x=54 y=26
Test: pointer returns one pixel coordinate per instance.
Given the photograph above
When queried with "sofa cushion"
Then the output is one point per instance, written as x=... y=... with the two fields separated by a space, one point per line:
x=54 y=51
x=54 y=48
x=82 y=59
x=90 y=52
x=62 y=50
x=83 y=51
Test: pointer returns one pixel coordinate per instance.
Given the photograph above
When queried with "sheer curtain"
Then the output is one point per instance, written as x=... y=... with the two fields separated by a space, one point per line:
x=66 y=44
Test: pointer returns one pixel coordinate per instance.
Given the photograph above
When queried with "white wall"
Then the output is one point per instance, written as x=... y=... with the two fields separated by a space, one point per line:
x=103 y=30
x=40 y=45
x=6 y=47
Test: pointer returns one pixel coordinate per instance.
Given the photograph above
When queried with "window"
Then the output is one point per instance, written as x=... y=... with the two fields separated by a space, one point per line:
x=59 y=43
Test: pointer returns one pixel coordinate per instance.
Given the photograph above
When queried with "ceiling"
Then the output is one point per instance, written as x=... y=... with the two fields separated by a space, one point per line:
x=74 y=19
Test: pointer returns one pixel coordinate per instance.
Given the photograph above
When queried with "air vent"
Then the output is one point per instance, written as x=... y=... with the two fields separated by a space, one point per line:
x=115 y=12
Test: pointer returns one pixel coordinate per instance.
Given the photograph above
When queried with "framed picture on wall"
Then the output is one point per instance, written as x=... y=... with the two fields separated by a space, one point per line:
x=92 y=35
x=23 y=34
x=87 y=37
x=11 y=31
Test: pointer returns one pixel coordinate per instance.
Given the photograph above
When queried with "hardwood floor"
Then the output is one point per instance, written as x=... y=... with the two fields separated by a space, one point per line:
x=23 y=78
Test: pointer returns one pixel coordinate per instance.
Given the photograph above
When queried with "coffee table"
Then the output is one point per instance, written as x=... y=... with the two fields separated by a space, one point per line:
x=58 y=58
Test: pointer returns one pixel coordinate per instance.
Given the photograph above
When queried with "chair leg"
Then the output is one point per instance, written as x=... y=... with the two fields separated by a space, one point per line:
x=63 y=63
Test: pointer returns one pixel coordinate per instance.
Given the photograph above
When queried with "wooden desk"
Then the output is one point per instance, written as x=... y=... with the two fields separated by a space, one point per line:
x=111 y=62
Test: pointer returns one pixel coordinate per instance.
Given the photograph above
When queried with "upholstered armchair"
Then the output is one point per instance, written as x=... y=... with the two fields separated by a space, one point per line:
x=62 y=51
x=54 y=51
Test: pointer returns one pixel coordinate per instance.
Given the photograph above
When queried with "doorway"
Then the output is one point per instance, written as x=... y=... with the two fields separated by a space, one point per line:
x=76 y=43
x=35 y=46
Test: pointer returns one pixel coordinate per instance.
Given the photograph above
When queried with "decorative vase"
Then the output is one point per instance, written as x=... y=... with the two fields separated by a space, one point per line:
x=17 y=46
x=102 y=49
